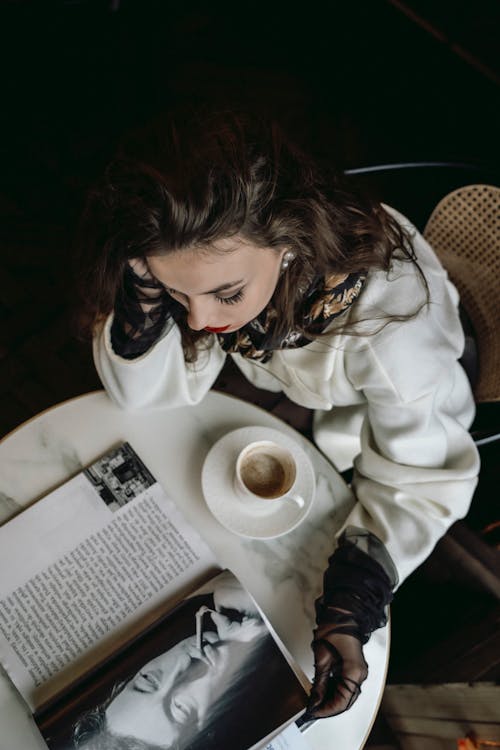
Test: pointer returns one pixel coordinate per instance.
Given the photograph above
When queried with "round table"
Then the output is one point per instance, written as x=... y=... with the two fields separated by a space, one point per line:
x=284 y=574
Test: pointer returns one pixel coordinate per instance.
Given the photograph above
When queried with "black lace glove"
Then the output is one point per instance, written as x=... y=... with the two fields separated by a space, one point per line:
x=141 y=311
x=357 y=588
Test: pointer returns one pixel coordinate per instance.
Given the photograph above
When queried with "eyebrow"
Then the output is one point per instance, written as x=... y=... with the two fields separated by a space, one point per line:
x=224 y=287
x=221 y=288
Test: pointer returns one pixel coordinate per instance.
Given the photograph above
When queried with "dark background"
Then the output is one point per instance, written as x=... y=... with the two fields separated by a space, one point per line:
x=361 y=82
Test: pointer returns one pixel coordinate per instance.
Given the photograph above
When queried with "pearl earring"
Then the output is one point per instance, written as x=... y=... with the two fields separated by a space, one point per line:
x=287 y=259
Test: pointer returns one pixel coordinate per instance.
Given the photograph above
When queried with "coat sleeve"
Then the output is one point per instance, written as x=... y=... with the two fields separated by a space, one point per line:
x=158 y=378
x=417 y=468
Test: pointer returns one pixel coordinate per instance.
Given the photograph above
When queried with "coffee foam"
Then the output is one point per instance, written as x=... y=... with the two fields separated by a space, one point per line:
x=265 y=475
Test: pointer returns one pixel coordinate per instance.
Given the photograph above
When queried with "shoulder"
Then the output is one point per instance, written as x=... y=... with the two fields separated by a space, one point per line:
x=402 y=291
x=424 y=252
x=407 y=358
x=407 y=340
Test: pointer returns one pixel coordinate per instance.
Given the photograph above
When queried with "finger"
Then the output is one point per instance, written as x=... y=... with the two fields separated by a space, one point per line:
x=344 y=688
x=139 y=267
x=340 y=696
x=355 y=672
x=136 y=264
x=339 y=688
x=225 y=626
x=324 y=661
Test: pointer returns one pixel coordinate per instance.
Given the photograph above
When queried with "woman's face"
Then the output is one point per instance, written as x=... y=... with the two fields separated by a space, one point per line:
x=222 y=290
x=171 y=695
x=152 y=709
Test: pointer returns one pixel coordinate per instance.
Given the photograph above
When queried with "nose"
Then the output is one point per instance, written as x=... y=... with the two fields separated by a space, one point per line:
x=198 y=317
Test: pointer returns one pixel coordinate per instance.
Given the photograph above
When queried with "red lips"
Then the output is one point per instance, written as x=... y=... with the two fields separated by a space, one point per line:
x=216 y=330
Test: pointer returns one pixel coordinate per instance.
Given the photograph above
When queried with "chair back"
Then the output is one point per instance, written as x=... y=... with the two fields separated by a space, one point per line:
x=464 y=230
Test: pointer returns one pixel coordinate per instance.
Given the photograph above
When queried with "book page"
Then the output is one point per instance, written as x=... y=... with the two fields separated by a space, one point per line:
x=97 y=559
x=290 y=739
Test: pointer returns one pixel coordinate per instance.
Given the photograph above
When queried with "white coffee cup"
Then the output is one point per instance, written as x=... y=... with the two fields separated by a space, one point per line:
x=265 y=474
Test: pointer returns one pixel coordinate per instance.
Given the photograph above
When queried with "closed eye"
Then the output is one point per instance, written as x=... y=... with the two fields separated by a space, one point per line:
x=231 y=300
x=147 y=681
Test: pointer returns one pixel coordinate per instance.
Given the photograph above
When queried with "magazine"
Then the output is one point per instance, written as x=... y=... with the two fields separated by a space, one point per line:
x=120 y=624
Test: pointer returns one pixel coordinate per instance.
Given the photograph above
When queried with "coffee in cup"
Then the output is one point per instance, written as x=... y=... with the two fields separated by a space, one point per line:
x=265 y=471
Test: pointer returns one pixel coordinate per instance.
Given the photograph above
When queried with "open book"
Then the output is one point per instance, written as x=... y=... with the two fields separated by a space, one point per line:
x=115 y=621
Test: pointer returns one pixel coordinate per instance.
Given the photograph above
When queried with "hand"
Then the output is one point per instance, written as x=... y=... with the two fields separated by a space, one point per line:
x=146 y=285
x=141 y=269
x=340 y=669
x=228 y=594
x=247 y=630
x=357 y=587
x=141 y=311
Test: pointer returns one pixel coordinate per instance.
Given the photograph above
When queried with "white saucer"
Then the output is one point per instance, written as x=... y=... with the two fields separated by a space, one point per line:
x=217 y=479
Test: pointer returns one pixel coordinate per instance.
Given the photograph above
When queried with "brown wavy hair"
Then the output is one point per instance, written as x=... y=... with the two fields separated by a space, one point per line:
x=187 y=181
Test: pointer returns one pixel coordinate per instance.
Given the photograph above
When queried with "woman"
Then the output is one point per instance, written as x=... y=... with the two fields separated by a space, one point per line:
x=220 y=237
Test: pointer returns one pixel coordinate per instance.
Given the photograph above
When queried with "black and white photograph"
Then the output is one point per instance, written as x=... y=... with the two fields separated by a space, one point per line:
x=209 y=675
x=119 y=476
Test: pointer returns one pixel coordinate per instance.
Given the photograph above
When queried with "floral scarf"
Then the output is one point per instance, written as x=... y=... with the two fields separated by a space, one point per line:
x=326 y=299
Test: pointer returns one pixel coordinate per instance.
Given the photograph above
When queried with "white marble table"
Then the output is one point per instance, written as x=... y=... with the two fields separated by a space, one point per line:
x=283 y=574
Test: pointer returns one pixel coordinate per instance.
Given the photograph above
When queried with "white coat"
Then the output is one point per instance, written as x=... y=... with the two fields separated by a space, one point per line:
x=395 y=403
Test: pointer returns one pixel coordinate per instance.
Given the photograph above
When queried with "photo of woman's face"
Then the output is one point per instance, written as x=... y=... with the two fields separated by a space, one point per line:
x=170 y=695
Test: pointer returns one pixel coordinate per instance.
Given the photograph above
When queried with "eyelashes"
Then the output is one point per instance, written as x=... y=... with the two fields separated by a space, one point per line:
x=231 y=300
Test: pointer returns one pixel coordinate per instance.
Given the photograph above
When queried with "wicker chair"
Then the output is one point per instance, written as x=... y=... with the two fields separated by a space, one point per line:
x=464 y=230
